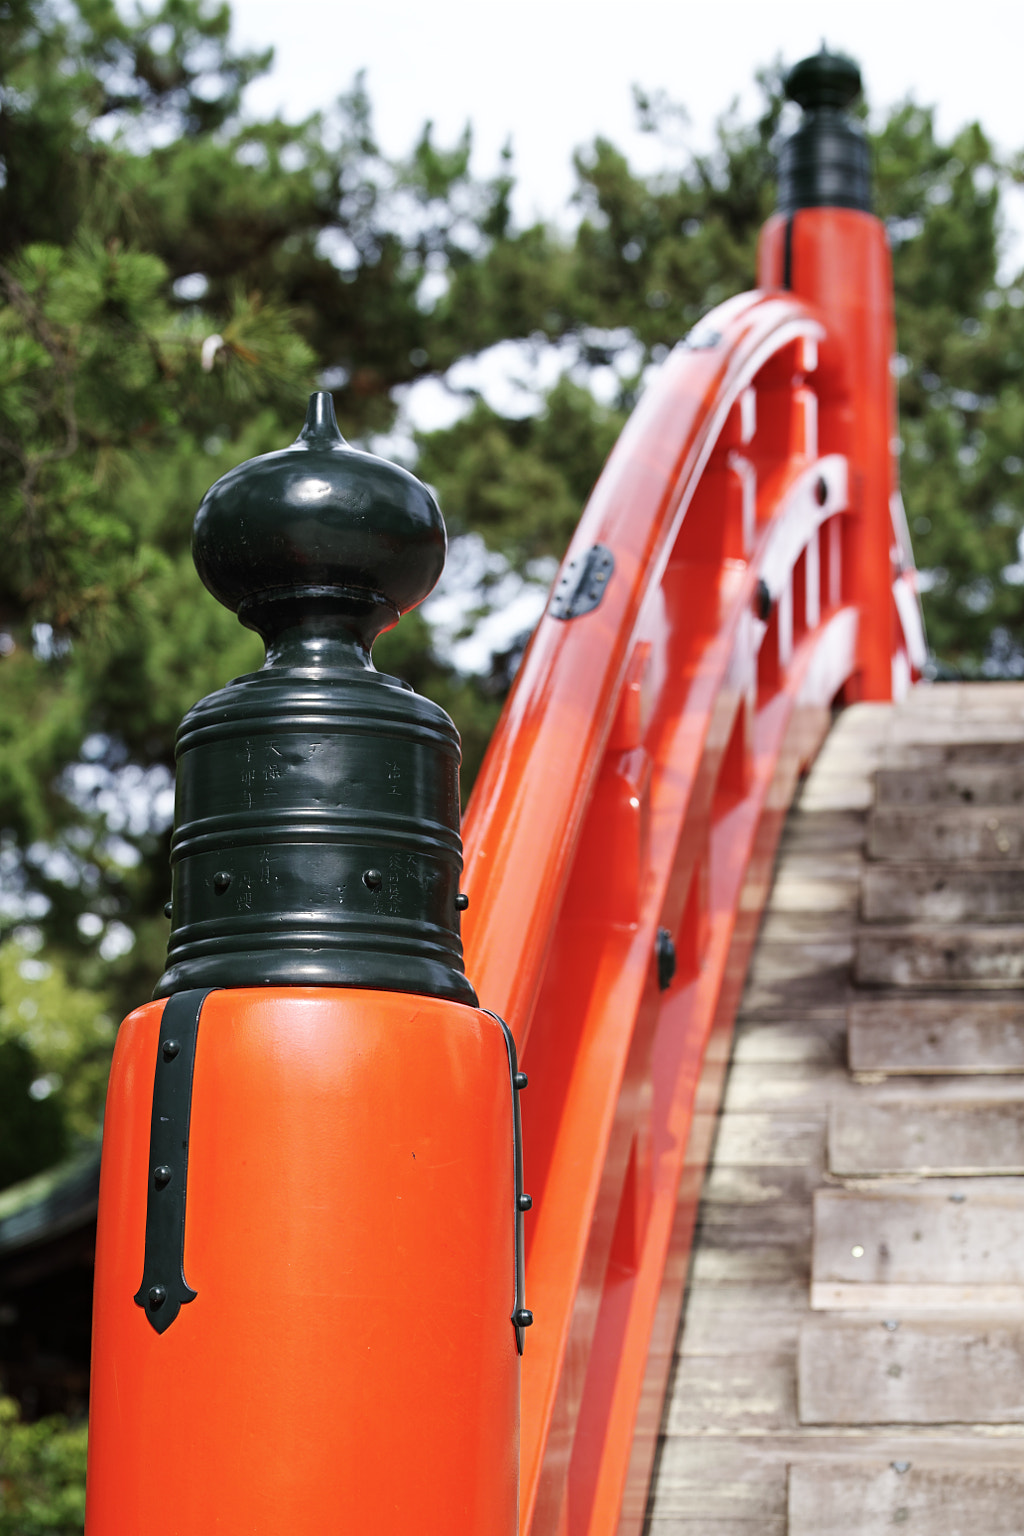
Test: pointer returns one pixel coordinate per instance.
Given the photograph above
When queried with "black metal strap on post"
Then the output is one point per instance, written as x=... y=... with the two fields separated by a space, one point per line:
x=164 y=1289
x=522 y=1317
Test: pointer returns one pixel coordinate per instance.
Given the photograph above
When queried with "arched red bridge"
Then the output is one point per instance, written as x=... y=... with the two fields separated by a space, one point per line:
x=336 y=1322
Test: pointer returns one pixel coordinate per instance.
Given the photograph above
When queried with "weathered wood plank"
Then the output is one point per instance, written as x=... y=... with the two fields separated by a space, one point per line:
x=714 y=1479
x=828 y=832
x=751 y=1319
x=784 y=1265
x=963 y=698
x=857 y=1370
x=981 y=729
x=955 y=784
x=907 y=753
x=813 y=887
x=981 y=1136
x=936 y=1034
x=771 y=1140
x=796 y=1087
x=967 y=1236
x=954 y=956
x=716 y=1395
x=896 y=1301
x=833 y=925
x=935 y=833
x=701 y=1526
x=817 y=1039
x=942 y=893
x=964 y=1500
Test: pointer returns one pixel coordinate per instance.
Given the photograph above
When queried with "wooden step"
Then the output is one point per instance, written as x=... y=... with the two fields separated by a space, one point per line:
x=957 y=1034
x=869 y=1370
x=958 y=1246
x=942 y=893
x=954 y=784
x=927 y=1136
x=920 y=955
x=907 y=753
x=927 y=833
x=902 y=1495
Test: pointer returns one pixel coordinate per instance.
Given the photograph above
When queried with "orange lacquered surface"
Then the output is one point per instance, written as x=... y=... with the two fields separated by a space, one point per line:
x=348 y=1362
x=535 y=783
x=840 y=262
x=638 y=780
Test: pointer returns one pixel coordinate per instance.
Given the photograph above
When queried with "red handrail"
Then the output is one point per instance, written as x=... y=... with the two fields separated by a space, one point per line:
x=633 y=793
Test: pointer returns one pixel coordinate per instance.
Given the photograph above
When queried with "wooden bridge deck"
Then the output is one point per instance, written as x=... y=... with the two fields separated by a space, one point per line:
x=851 y=1355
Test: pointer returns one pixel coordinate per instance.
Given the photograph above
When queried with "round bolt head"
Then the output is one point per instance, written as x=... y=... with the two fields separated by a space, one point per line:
x=221 y=880
x=157 y=1296
x=461 y=902
x=373 y=879
x=523 y=1317
x=162 y=1176
x=170 y=1049
x=821 y=491
x=521 y=1080
x=168 y=909
x=525 y=1202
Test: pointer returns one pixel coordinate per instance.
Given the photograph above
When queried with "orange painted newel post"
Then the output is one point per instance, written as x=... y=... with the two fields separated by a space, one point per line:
x=826 y=246
x=308 y=1307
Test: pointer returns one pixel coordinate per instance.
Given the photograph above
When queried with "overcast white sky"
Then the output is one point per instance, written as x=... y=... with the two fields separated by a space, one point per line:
x=553 y=73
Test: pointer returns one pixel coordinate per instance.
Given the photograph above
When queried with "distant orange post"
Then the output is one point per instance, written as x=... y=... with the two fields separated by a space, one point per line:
x=824 y=245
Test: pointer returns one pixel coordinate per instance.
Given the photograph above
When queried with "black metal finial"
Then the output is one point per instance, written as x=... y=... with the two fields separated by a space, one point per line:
x=319 y=539
x=316 y=837
x=825 y=163
x=824 y=80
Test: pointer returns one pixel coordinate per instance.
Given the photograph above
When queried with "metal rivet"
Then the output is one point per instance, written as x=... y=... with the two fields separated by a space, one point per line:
x=521 y=1080
x=525 y=1202
x=221 y=880
x=170 y=1049
x=763 y=601
x=900 y=1466
x=857 y=1251
x=461 y=902
x=523 y=1317
x=157 y=1296
x=161 y=1176
x=821 y=491
x=373 y=879
x=891 y=1324
x=665 y=953
x=168 y=909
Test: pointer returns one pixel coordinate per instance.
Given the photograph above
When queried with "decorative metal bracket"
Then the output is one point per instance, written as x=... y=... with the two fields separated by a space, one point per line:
x=583 y=583
x=522 y=1317
x=164 y=1289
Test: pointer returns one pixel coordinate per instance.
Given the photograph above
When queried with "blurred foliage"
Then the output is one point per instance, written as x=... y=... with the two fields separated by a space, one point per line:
x=42 y=1475
x=175 y=277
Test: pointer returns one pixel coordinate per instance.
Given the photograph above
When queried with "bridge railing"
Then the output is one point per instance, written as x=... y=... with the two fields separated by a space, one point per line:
x=707 y=619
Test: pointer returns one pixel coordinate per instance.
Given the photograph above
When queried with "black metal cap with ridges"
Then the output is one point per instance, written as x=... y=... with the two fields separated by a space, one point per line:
x=316 y=837
x=825 y=163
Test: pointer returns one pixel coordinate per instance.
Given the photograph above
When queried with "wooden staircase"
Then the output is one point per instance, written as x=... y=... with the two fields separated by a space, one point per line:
x=851 y=1356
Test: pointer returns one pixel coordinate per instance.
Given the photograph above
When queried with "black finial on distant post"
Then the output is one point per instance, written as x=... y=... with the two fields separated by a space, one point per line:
x=825 y=163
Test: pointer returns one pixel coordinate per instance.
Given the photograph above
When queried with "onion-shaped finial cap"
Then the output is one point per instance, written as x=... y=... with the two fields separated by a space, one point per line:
x=318 y=534
x=824 y=80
